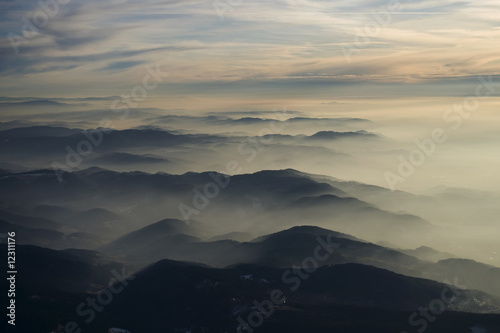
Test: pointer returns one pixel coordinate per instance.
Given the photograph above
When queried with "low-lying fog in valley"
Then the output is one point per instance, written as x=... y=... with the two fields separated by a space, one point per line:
x=436 y=169
x=415 y=195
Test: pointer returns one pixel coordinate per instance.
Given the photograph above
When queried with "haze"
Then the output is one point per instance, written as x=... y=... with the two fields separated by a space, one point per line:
x=378 y=120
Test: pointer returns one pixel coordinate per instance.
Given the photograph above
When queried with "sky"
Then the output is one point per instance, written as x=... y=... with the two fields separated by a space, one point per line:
x=245 y=50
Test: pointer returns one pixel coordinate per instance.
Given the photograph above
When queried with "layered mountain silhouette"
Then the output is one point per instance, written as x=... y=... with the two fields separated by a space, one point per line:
x=331 y=135
x=205 y=248
x=173 y=239
x=286 y=197
x=126 y=158
x=184 y=296
x=51 y=238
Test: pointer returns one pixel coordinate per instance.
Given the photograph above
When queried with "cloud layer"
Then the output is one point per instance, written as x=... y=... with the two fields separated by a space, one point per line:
x=94 y=45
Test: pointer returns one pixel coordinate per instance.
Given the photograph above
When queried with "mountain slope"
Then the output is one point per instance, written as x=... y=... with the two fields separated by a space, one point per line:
x=214 y=299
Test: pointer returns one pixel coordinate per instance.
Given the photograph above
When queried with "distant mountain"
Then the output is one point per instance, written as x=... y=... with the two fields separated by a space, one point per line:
x=274 y=187
x=285 y=197
x=331 y=135
x=99 y=221
x=56 y=213
x=290 y=247
x=32 y=236
x=428 y=253
x=97 y=215
x=169 y=239
x=376 y=195
x=126 y=158
x=472 y=274
x=38 y=131
x=49 y=238
x=252 y=122
x=352 y=216
x=28 y=221
x=38 y=103
x=164 y=234
x=24 y=142
x=305 y=230
x=66 y=270
x=330 y=120
x=258 y=117
x=8 y=168
x=441 y=204
x=173 y=239
x=236 y=236
x=250 y=113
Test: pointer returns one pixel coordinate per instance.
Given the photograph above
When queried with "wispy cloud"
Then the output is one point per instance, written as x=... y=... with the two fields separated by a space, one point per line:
x=256 y=40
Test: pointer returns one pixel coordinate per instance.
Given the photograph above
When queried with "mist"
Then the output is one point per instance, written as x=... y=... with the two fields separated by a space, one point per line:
x=448 y=195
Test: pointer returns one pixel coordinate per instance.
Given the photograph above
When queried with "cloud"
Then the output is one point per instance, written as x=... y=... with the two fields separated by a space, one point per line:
x=255 y=41
x=121 y=65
